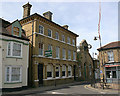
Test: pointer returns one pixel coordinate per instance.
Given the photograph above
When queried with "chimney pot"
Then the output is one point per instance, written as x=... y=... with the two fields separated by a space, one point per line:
x=65 y=26
x=26 y=8
x=48 y=15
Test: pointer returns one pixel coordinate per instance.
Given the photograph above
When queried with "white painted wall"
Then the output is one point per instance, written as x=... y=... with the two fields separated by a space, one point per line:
x=15 y=61
x=0 y=63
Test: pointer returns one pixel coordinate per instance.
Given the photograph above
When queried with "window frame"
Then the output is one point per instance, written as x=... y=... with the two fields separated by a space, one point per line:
x=11 y=49
x=51 y=33
x=10 y=74
x=58 y=52
x=74 y=56
x=56 y=35
x=69 y=54
x=110 y=57
x=59 y=71
x=39 y=49
x=73 y=41
x=65 y=70
x=40 y=30
x=51 y=71
x=64 y=53
x=63 y=38
x=69 y=66
x=68 y=40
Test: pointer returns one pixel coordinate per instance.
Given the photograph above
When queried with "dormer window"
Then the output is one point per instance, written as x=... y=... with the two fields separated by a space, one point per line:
x=16 y=31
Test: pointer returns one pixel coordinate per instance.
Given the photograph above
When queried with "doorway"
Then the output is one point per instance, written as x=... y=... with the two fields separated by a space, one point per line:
x=40 y=74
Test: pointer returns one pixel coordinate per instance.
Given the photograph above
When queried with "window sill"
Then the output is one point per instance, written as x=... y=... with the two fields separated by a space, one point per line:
x=12 y=82
x=14 y=57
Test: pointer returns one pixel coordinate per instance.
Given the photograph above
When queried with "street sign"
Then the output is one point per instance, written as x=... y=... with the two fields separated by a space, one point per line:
x=48 y=53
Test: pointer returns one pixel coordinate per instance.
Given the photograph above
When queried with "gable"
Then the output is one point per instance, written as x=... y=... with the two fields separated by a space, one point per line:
x=16 y=28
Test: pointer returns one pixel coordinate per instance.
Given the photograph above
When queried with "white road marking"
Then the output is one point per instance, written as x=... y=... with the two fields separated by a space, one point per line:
x=57 y=93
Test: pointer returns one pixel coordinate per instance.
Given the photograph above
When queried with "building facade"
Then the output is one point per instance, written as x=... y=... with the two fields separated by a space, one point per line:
x=109 y=56
x=85 y=62
x=14 y=51
x=52 y=49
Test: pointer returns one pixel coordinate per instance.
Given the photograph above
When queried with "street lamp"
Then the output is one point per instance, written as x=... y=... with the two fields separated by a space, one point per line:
x=96 y=38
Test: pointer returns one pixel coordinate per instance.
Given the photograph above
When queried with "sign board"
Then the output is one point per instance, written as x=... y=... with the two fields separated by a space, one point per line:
x=48 y=53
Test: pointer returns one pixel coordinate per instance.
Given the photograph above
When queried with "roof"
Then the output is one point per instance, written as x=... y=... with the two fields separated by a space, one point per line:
x=48 y=21
x=6 y=31
x=4 y=22
x=112 y=45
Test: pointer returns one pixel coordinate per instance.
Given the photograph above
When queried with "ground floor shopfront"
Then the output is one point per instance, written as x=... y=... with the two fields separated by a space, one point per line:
x=112 y=72
x=49 y=71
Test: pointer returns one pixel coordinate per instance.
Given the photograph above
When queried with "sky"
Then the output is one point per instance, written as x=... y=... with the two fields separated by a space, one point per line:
x=81 y=17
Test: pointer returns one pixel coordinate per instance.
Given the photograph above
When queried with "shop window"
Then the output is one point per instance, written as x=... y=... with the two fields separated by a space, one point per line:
x=114 y=74
x=63 y=71
x=69 y=71
x=49 y=71
x=57 y=70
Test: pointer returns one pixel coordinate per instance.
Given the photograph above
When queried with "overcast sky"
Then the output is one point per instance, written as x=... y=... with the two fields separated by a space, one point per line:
x=81 y=17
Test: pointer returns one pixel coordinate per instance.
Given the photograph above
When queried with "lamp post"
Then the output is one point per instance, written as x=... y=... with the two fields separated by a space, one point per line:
x=101 y=65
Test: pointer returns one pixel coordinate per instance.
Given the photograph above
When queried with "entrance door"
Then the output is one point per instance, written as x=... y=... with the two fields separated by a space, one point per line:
x=40 y=74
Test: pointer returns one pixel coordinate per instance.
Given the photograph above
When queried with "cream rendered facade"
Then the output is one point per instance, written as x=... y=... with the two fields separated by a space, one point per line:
x=14 y=61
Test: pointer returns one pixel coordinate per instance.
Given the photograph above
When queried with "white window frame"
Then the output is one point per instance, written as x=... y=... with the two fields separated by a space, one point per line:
x=109 y=55
x=40 y=30
x=70 y=68
x=58 y=52
x=10 y=74
x=69 y=54
x=63 y=36
x=73 y=42
x=68 y=40
x=51 y=72
x=64 y=53
x=59 y=71
x=56 y=35
x=11 y=49
x=43 y=50
x=74 y=56
x=51 y=33
x=51 y=48
x=65 y=70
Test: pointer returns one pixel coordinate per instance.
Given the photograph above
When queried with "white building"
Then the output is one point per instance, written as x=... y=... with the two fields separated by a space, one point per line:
x=14 y=53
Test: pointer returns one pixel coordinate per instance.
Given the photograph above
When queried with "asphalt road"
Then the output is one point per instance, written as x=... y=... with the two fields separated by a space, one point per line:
x=74 y=90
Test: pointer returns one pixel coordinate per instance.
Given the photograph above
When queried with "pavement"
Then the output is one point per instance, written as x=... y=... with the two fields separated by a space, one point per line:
x=64 y=88
x=104 y=91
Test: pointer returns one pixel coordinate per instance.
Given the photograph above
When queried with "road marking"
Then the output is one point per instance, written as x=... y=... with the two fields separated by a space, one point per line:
x=57 y=93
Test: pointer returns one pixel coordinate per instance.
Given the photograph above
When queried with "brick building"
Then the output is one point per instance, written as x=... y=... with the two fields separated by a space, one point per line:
x=109 y=56
x=52 y=49
x=85 y=62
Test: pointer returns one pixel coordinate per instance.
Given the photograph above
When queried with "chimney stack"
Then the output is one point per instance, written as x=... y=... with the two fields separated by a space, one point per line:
x=65 y=26
x=26 y=8
x=48 y=15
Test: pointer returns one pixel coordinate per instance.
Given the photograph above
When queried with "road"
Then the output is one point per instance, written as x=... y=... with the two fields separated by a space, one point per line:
x=75 y=90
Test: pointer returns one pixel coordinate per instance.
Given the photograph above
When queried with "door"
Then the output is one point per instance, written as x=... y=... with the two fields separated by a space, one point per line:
x=40 y=73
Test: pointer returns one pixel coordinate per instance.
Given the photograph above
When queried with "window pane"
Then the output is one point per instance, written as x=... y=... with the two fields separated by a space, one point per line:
x=114 y=74
x=57 y=52
x=49 y=33
x=9 y=49
x=63 y=38
x=63 y=53
x=57 y=35
x=40 y=49
x=41 y=29
x=7 y=74
x=16 y=49
x=15 y=75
